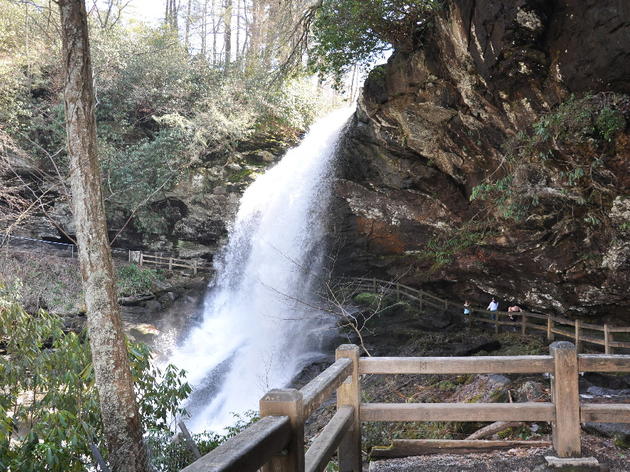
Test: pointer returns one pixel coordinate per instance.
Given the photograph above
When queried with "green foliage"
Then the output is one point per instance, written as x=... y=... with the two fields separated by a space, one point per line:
x=609 y=122
x=349 y=32
x=161 y=111
x=564 y=157
x=443 y=250
x=134 y=280
x=368 y=299
x=49 y=410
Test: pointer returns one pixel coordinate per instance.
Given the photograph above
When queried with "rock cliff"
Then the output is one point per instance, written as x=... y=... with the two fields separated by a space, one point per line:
x=492 y=158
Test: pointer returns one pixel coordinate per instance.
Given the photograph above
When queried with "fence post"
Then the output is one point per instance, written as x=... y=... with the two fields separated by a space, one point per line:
x=141 y=258
x=578 y=344
x=566 y=400
x=495 y=314
x=170 y=264
x=286 y=402
x=420 y=300
x=550 y=329
x=523 y=324
x=349 y=393
x=607 y=339
x=194 y=267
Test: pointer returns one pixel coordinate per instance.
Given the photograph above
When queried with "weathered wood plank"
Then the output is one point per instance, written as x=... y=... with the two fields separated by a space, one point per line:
x=324 y=385
x=417 y=447
x=324 y=445
x=349 y=394
x=286 y=402
x=530 y=411
x=248 y=450
x=603 y=363
x=564 y=387
x=605 y=413
x=456 y=365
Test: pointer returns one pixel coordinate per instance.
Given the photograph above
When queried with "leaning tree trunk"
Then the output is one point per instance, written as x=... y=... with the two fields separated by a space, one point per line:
x=121 y=421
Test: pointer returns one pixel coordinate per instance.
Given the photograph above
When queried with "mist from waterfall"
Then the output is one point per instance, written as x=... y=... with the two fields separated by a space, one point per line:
x=260 y=323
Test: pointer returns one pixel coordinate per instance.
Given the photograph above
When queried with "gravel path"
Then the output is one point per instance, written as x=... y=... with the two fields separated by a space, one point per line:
x=611 y=457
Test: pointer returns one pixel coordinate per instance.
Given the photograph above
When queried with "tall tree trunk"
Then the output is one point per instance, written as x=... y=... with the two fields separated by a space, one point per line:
x=187 y=30
x=255 y=28
x=215 y=32
x=204 y=28
x=121 y=421
x=227 y=21
x=238 y=30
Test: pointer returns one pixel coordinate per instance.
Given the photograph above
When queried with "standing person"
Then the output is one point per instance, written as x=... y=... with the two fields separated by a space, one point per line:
x=493 y=306
x=466 y=313
x=466 y=308
x=514 y=309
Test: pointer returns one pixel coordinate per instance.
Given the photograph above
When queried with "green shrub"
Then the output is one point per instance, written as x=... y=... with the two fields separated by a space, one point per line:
x=134 y=280
x=49 y=409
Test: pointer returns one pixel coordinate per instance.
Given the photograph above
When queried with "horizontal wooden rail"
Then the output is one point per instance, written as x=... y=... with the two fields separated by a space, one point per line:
x=324 y=385
x=323 y=447
x=421 y=447
x=530 y=411
x=603 y=363
x=456 y=365
x=248 y=450
x=605 y=413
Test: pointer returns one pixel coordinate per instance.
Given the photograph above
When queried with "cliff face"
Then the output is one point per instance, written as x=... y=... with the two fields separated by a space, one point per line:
x=490 y=106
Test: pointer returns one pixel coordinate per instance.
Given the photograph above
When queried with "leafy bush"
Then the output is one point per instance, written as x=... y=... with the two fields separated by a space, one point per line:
x=564 y=160
x=49 y=410
x=134 y=280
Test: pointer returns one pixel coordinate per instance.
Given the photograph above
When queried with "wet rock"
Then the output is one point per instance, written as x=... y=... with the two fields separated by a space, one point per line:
x=531 y=391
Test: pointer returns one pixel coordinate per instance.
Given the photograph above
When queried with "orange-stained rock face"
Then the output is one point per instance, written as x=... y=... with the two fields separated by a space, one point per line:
x=433 y=123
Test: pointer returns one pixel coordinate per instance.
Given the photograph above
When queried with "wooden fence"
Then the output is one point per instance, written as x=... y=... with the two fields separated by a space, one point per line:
x=276 y=442
x=576 y=330
x=167 y=262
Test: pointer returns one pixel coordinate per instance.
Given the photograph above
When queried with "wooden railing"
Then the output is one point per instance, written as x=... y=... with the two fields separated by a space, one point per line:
x=167 y=262
x=277 y=440
x=576 y=330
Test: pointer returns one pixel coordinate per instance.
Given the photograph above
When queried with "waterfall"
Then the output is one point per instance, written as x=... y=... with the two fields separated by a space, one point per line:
x=260 y=323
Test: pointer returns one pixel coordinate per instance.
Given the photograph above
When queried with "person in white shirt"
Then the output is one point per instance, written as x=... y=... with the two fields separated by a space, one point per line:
x=493 y=306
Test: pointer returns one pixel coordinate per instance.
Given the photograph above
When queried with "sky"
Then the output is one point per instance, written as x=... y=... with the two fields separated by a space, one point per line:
x=147 y=10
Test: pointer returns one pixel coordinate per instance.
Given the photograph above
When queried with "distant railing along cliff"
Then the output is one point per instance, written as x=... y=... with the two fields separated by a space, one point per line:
x=154 y=260
x=577 y=330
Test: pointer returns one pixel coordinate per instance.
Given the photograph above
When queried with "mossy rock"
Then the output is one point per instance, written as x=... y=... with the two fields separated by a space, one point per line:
x=367 y=299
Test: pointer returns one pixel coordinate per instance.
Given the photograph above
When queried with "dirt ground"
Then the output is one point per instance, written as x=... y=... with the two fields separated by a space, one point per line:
x=611 y=458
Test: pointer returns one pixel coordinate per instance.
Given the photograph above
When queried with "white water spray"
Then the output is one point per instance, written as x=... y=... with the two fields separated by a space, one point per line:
x=259 y=327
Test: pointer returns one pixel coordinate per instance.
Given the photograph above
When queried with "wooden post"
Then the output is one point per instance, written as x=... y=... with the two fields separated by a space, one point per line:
x=550 y=335
x=607 y=339
x=194 y=267
x=523 y=324
x=578 y=344
x=566 y=400
x=374 y=285
x=286 y=402
x=141 y=258
x=349 y=393
x=421 y=302
x=495 y=314
x=129 y=255
x=170 y=264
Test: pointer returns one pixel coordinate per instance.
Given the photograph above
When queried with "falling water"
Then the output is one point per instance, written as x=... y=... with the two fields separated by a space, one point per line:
x=260 y=326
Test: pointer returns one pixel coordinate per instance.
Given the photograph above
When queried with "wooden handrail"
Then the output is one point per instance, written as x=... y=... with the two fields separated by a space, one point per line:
x=264 y=441
x=456 y=365
x=248 y=450
x=324 y=446
x=324 y=385
x=577 y=334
